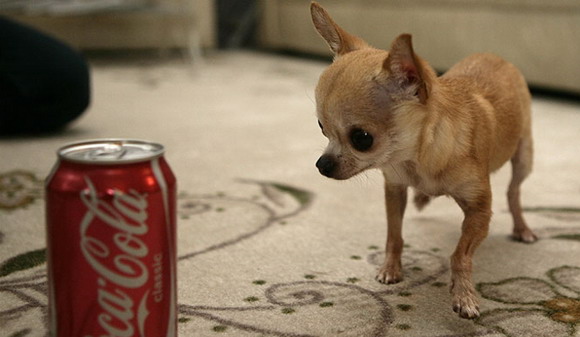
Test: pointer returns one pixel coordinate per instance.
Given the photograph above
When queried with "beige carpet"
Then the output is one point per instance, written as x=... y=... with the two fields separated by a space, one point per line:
x=267 y=246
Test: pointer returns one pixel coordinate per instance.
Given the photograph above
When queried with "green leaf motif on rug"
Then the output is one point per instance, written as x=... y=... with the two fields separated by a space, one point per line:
x=302 y=196
x=288 y=311
x=18 y=189
x=552 y=209
x=21 y=333
x=555 y=313
x=403 y=326
x=23 y=261
x=404 y=307
x=220 y=328
x=574 y=237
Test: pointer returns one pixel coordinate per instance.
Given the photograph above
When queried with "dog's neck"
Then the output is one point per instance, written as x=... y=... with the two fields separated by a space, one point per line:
x=444 y=136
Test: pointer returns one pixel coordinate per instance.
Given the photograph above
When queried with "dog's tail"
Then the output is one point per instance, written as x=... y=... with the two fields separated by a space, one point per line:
x=421 y=200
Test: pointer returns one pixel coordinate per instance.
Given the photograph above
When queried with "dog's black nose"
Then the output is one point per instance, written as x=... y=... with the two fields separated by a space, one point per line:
x=326 y=165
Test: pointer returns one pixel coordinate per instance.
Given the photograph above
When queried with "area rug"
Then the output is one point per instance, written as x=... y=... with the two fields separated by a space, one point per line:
x=269 y=247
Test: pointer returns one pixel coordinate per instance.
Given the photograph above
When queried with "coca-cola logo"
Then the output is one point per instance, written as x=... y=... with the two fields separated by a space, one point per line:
x=117 y=261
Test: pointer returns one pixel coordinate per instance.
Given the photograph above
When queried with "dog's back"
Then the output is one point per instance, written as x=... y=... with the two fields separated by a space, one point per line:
x=500 y=89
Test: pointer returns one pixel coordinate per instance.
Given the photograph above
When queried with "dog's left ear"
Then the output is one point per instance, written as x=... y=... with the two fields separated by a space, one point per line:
x=339 y=40
x=406 y=67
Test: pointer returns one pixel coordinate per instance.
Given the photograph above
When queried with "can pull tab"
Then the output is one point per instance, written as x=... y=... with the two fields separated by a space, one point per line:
x=107 y=152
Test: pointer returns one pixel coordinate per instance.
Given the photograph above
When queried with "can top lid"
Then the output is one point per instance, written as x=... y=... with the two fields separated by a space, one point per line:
x=111 y=151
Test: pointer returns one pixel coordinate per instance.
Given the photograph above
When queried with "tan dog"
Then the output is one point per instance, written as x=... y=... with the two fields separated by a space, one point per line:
x=440 y=135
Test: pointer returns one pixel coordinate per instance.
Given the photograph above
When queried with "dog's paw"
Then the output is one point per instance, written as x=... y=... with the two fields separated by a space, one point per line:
x=389 y=275
x=526 y=236
x=466 y=307
x=465 y=302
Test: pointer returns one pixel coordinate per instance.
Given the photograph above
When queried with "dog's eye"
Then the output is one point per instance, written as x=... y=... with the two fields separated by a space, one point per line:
x=361 y=140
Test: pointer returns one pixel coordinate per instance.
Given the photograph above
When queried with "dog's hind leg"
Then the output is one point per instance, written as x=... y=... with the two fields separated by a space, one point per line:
x=521 y=168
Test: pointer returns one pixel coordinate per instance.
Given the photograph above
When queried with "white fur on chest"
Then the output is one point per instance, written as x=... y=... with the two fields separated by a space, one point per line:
x=406 y=174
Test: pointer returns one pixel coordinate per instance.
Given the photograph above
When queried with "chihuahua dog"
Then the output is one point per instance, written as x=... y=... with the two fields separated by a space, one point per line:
x=444 y=135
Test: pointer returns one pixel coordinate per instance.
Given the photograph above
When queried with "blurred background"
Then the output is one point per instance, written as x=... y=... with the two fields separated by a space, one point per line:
x=228 y=87
x=541 y=37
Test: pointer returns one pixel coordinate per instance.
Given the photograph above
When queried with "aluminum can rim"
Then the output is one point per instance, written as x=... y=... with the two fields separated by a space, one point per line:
x=110 y=151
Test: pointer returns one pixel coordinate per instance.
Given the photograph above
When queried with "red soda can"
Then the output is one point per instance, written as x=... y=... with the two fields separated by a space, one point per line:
x=111 y=245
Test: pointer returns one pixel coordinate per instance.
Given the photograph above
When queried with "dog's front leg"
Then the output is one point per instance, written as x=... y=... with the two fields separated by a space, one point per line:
x=396 y=201
x=475 y=228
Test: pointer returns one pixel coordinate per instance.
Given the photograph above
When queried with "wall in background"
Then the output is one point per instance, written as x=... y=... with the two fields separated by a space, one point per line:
x=159 y=24
x=540 y=37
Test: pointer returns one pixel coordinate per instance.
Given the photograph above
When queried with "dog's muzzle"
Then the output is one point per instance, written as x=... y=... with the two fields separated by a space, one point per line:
x=326 y=165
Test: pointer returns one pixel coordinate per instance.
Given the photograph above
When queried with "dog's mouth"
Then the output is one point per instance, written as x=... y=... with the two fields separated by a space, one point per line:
x=368 y=167
x=348 y=175
x=333 y=167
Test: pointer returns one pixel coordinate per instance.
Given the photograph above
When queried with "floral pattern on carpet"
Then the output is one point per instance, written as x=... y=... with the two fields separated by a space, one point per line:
x=295 y=308
x=18 y=189
x=553 y=304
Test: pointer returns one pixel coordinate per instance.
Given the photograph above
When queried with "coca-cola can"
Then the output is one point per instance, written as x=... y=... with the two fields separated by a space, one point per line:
x=111 y=245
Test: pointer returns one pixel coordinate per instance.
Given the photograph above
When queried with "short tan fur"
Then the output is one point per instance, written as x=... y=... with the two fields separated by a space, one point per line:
x=388 y=110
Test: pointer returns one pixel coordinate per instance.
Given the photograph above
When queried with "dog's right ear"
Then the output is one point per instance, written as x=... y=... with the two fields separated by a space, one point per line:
x=403 y=64
x=339 y=41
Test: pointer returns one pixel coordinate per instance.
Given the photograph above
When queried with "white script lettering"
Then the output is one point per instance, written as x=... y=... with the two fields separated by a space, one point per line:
x=127 y=213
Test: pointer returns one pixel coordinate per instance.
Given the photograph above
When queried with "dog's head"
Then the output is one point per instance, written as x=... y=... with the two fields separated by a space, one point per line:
x=369 y=102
